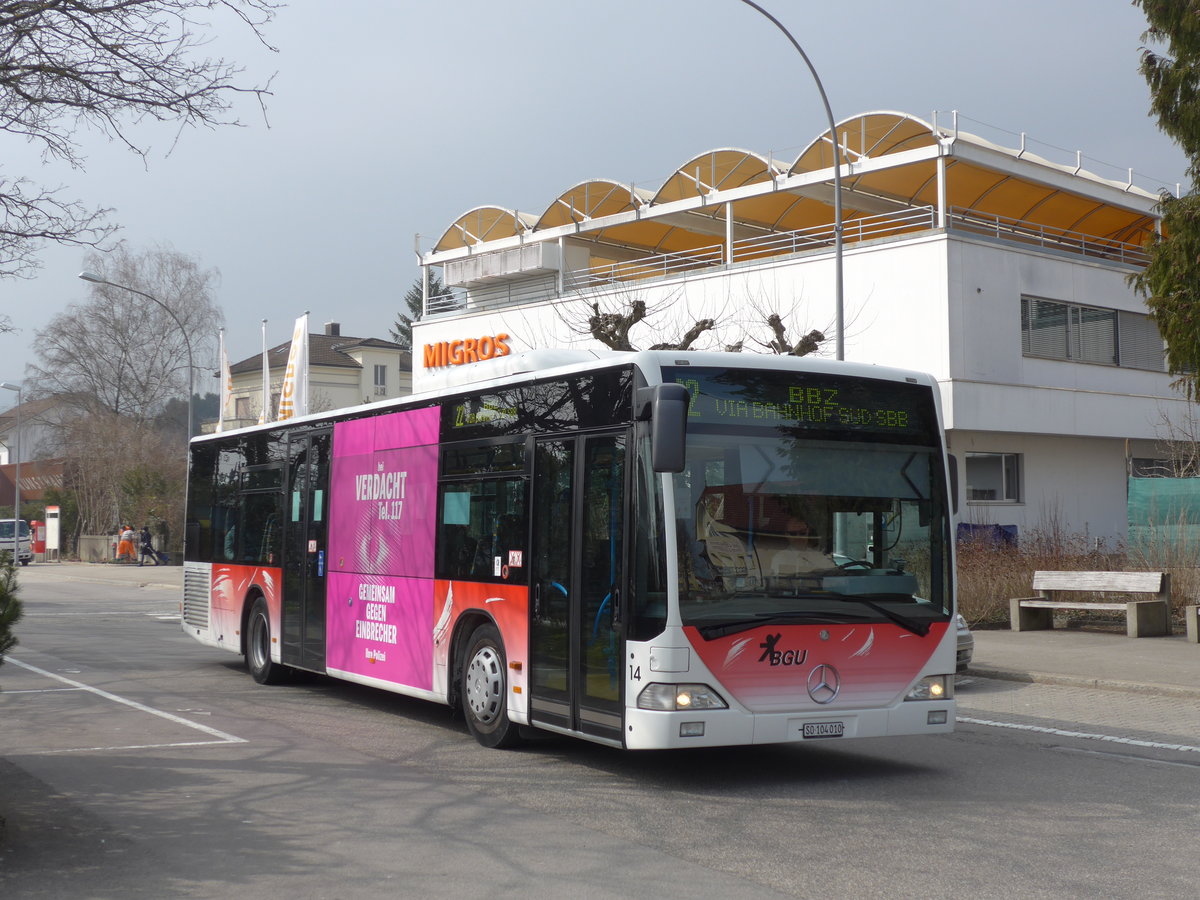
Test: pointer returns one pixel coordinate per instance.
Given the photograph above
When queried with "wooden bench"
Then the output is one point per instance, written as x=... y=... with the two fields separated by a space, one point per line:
x=1143 y=618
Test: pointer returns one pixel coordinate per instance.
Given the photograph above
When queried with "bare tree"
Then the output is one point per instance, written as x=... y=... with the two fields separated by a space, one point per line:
x=613 y=320
x=124 y=473
x=70 y=65
x=780 y=344
x=120 y=353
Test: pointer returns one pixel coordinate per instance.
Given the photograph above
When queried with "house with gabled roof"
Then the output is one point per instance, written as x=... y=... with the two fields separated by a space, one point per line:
x=343 y=371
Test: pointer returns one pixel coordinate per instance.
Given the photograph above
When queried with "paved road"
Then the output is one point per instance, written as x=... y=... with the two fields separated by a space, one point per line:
x=136 y=763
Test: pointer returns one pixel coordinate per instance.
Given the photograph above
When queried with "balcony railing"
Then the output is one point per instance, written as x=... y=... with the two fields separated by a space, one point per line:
x=782 y=244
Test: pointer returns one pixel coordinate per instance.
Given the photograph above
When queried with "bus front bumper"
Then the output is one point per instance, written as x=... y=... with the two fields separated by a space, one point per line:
x=655 y=730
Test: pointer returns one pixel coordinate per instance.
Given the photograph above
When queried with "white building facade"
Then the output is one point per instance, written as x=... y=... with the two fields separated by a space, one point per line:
x=1002 y=273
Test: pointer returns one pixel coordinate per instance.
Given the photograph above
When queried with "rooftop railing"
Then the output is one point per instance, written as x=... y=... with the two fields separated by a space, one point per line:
x=778 y=245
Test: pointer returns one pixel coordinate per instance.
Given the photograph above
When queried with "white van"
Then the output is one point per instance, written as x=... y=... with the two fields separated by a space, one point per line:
x=19 y=549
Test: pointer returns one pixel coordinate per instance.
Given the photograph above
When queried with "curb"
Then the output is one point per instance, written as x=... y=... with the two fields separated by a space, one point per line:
x=1104 y=684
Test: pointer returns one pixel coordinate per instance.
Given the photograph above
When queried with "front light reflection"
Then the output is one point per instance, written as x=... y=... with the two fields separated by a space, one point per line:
x=671 y=697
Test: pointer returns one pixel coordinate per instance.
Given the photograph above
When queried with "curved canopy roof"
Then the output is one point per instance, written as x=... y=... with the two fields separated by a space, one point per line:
x=482 y=224
x=591 y=200
x=893 y=168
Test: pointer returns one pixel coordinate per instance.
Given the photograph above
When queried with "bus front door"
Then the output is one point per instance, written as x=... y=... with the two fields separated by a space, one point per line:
x=576 y=583
x=305 y=544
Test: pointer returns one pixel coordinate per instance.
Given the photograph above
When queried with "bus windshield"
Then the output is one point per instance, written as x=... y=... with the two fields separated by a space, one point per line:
x=782 y=518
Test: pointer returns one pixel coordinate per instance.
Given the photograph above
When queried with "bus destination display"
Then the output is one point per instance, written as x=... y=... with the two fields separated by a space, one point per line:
x=805 y=401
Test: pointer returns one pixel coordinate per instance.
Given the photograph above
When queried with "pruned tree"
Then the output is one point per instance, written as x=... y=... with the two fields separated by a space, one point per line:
x=120 y=353
x=67 y=66
x=781 y=345
x=613 y=321
x=1170 y=282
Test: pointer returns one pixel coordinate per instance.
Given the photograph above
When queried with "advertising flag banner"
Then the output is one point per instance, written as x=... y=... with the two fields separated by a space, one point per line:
x=226 y=411
x=264 y=411
x=293 y=397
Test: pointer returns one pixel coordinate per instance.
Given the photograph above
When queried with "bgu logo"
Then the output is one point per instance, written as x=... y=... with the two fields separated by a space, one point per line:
x=780 y=657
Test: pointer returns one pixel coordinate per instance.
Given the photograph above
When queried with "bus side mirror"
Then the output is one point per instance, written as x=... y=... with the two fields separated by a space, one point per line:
x=953 y=460
x=666 y=407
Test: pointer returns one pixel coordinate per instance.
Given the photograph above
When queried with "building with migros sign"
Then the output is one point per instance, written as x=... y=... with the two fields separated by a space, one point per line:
x=1000 y=270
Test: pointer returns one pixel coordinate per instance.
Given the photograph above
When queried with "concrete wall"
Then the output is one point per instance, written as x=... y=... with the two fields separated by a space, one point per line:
x=1072 y=485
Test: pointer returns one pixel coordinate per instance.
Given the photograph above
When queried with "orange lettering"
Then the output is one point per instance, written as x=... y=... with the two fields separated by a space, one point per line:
x=468 y=350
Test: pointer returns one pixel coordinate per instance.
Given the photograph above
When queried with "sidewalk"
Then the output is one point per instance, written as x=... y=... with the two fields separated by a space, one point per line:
x=104 y=573
x=1072 y=656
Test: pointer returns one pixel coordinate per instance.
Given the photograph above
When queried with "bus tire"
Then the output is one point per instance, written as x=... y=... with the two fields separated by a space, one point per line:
x=485 y=689
x=258 y=646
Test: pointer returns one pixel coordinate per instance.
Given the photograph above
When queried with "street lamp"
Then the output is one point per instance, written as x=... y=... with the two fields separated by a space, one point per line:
x=838 y=157
x=187 y=342
x=17 y=477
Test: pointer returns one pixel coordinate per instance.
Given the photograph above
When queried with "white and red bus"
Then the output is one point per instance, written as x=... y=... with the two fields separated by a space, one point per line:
x=646 y=550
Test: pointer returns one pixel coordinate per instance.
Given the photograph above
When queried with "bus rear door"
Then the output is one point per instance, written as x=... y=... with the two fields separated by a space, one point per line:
x=305 y=549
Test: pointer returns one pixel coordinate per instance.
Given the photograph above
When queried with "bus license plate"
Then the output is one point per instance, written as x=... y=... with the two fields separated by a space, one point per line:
x=823 y=729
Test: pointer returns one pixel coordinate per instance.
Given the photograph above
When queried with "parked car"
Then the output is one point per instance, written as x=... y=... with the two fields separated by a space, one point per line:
x=966 y=644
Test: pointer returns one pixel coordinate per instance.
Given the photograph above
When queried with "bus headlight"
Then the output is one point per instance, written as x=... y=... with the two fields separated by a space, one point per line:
x=671 y=697
x=932 y=687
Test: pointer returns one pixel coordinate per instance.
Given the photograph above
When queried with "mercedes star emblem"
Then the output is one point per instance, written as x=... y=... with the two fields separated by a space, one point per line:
x=824 y=684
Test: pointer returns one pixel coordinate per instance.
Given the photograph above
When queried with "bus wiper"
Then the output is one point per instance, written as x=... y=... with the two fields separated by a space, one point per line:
x=723 y=629
x=918 y=628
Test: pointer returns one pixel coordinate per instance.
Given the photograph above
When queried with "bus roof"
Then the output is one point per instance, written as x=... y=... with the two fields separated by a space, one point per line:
x=534 y=365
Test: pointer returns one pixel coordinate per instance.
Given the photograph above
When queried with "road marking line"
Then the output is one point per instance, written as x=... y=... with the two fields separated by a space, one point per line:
x=82 y=615
x=1059 y=732
x=127 y=747
x=179 y=720
x=69 y=690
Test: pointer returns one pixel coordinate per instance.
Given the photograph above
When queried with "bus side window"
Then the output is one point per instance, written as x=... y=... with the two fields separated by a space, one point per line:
x=480 y=524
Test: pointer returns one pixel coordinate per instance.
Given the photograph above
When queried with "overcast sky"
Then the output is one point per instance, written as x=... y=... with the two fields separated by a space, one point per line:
x=391 y=119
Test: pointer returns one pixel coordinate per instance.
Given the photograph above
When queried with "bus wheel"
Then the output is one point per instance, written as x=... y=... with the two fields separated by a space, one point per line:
x=258 y=646
x=485 y=690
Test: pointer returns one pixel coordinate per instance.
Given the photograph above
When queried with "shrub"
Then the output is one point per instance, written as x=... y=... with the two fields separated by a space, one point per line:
x=10 y=606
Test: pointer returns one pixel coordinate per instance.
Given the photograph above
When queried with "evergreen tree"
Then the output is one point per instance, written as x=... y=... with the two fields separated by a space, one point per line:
x=402 y=330
x=10 y=606
x=1171 y=281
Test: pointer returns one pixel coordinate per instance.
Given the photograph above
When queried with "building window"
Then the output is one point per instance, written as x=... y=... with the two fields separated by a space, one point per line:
x=1090 y=334
x=241 y=408
x=380 y=381
x=993 y=477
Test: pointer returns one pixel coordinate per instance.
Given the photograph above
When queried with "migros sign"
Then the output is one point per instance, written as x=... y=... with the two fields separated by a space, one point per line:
x=468 y=350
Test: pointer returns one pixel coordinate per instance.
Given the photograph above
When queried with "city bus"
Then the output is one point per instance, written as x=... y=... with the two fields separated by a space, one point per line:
x=646 y=550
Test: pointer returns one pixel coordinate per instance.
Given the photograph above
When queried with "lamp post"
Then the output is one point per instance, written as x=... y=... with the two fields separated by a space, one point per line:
x=187 y=341
x=17 y=476
x=838 y=156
